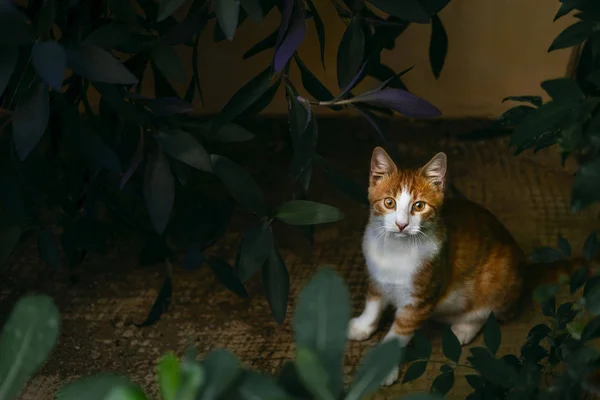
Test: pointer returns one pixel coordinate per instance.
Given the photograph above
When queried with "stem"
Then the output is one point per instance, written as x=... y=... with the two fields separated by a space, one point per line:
x=332 y=102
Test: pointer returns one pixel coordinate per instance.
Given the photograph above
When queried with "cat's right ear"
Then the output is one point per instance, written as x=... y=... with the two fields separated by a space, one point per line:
x=381 y=165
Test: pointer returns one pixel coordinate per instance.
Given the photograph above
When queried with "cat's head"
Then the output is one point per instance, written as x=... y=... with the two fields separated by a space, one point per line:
x=406 y=202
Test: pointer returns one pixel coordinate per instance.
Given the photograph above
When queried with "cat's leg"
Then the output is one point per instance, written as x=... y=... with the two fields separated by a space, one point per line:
x=363 y=326
x=468 y=326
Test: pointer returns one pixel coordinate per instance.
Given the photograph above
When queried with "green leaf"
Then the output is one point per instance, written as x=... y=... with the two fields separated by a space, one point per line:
x=167 y=7
x=443 y=383
x=192 y=379
x=303 y=129
x=546 y=255
x=564 y=246
x=375 y=367
x=15 y=27
x=408 y=10
x=475 y=381
x=159 y=190
x=27 y=338
x=321 y=322
x=572 y=35
x=226 y=276
x=592 y=299
x=541 y=120
x=494 y=370
x=168 y=62
x=265 y=44
x=183 y=147
x=563 y=90
x=492 y=335
x=169 y=376
x=320 y=27
x=306 y=212
x=229 y=133
x=544 y=292
x=451 y=346
x=254 y=10
x=227 y=12
x=30 y=121
x=590 y=247
x=591 y=330
x=350 y=53
x=240 y=184
x=98 y=387
x=257 y=244
x=126 y=393
x=311 y=83
x=313 y=375
x=276 y=281
x=50 y=62
x=534 y=100
x=438 y=46
x=578 y=279
x=421 y=345
x=246 y=96
x=8 y=62
x=420 y=396
x=98 y=65
x=255 y=386
x=222 y=368
x=585 y=190
x=48 y=249
x=415 y=371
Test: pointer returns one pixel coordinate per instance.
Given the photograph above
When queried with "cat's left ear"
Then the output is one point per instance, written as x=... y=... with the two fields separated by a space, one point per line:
x=435 y=169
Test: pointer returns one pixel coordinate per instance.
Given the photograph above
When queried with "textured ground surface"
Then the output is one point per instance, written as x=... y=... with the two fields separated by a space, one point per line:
x=529 y=193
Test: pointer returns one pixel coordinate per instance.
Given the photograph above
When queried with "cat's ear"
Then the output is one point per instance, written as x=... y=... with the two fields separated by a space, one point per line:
x=435 y=169
x=381 y=165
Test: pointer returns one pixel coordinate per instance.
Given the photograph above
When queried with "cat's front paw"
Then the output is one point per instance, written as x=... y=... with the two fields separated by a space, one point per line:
x=392 y=377
x=359 y=330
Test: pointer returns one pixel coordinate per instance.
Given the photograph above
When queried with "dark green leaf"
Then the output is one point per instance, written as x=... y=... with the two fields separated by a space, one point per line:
x=544 y=292
x=229 y=133
x=438 y=46
x=246 y=96
x=320 y=27
x=48 y=249
x=492 y=334
x=30 y=121
x=321 y=322
x=159 y=190
x=422 y=346
x=573 y=35
x=541 y=120
x=9 y=238
x=222 y=368
x=585 y=190
x=546 y=255
x=306 y=212
x=169 y=376
x=125 y=12
x=97 y=387
x=578 y=279
x=443 y=383
x=227 y=12
x=27 y=338
x=534 y=100
x=565 y=314
x=226 y=275
x=303 y=129
x=8 y=63
x=590 y=247
x=161 y=304
x=265 y=44
x=276 y=282
x=257 y=244
x=167 y=7
x=254 y=10
x=494 y=370
x=96 y=64
x=15 y=28
x=193 y=377
x=311 y=83
x=408 y=10
x=563 y=90
x=564 y=9
x=415 y=371
x=421 y=396
x=592 y=299
x=50 y=62
x=312 y=373
x=434 y=6
x=168 y=62
x=240 y=184
x=374 y=368
x=450 y=345
x=564 y=246
x=350 y=53
x=475 y=381
x=591 y=330
x=183 y=147
x=97 y=153
x=256 y=386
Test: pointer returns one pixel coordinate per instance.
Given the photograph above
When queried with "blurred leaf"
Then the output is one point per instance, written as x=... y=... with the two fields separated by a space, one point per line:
x=30 y=120
x=166 y=106
x=256 y=246
x=289 y=379
x=253 y=9
x=443 y=383
x=572 y=35
x=422 y=346
x=311 y=83
x=8 y=62
x=320 y=27
x=399 y=100
x=534 y=100
x=183 y=147
x=564 y=246
x=124 y=11
x=321 y=322
x=578 y=279
x=374 y=368
x=96 y=64
x=544 y=292
x=312 y=373
x=492 y=369
x=415 y=371
x=565 y=314
x=226 y=276
x=228 y=133
x=563 y=90
x=15 y=28
x=254 y=386
x=591 y=330
x=219 y=35
x=350 y=53
x=434 y=6
x=262 y=102
x=475 y=381
x=167 y=7
x=261 y=46
x=592 y=299
x=306 y=212
x=243 y=98
x=408 y=10
x=492 y=335
x=194 y=257
x=546 y=255
x=438 y=45
x=168 y=62
x=169 y=376
x=590 y=247
x=192 y=25
x=26 y=340
x=159 y=190
x=97 y=387
x=303 y=129
x=50 y=62
x=344 y=184
x=222 y=368
x=292 y=39
x=193 y=377
x=161 y=304
x=276 y=281
x=451 y=346
x=585 y=191
x=240 y=184
x=227 y=12
x=48 y=249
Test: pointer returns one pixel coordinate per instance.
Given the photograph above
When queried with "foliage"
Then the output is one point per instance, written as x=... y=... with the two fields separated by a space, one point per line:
x=151 y=160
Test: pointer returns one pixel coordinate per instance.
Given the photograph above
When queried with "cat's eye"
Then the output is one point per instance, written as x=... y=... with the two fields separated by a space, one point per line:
x=419 y=206
x=389 y=202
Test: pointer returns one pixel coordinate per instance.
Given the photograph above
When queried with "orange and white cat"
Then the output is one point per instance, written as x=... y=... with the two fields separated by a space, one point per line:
x=430 y=258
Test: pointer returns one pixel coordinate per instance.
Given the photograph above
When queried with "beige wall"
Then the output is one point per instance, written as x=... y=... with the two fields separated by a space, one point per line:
x=497 y=48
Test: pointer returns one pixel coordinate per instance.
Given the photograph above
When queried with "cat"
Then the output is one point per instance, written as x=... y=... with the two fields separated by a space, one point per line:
x=448 y=260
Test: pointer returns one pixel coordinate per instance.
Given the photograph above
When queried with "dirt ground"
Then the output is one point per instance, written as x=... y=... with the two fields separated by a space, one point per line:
x=529 y=193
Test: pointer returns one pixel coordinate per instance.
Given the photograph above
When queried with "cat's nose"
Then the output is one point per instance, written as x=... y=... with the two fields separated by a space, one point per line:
x=401 y=225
